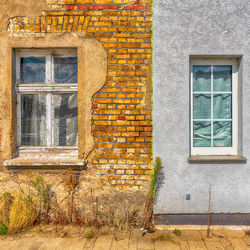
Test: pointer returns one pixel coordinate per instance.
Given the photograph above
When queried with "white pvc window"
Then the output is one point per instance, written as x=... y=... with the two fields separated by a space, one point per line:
x=214 y=107
x=46 y=87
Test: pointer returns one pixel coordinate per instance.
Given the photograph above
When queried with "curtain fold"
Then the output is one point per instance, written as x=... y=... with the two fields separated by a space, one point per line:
x=33 y=122
x=221 y=78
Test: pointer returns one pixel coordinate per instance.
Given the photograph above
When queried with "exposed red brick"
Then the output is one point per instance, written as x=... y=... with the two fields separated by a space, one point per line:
x=102 y=7
x=83 y=7
x=121 y=117
x=148 y=7
x=66 y=6
x=140 y=7
x=112 y=7
x=94 y=106
x=73 y=7
x=93 y=7
x=130 y=7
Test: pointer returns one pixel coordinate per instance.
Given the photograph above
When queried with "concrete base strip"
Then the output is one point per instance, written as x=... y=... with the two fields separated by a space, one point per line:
x=202 y=227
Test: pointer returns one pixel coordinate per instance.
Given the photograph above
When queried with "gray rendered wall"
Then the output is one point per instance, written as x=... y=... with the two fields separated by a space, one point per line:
x=197 y=27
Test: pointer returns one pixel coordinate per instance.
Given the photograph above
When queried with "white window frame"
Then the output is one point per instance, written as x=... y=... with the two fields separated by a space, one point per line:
x=217 y=150
x=48 y=88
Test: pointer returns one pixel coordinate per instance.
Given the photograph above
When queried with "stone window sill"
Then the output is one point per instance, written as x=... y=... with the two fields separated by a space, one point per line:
x=217 y=159
x=55 y=159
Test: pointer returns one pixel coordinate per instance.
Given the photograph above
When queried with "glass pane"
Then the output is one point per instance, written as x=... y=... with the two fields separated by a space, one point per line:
x=202 y=106
x=202 y=134
x=65 y=119
x=32 y=70
x=222 y=106
x=223 y=134
x=201 y=78
x=222 y=78
x=33 y=120
x=65 y=69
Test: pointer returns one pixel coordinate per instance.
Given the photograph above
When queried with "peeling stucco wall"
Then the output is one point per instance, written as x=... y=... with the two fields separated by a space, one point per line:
x=114 y=54
x=87 y=199
x=183 y=28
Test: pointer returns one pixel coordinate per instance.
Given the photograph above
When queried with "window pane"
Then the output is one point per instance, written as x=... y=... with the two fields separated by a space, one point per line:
x=222 y=78
x=222 y=134
x=202 y=78
x=65 y=119
x=202 y=134
x=202 y=106
x=32 y=70
x=222 y=106
x=65 y=69
x=33 y=120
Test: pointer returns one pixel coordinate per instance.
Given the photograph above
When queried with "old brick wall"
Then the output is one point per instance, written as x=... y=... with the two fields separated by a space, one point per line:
x=121 y=110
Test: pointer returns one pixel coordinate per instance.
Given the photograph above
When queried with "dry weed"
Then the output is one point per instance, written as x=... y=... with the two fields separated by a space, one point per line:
x=5 y=202
x=118 y=210
x=96 y=208
x=44 y=196
x=163 y=237
x=89 y=234
x=23 y=213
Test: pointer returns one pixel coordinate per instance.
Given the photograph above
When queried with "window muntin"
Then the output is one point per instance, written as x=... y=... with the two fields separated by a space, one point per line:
x=46 y=90
x=213 y=107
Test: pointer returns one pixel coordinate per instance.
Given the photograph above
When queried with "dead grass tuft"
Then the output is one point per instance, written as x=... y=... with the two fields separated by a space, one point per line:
x=6 y=200
x=23 y=213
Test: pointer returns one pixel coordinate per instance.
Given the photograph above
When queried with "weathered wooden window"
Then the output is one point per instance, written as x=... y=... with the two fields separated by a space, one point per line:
x=46 y=87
